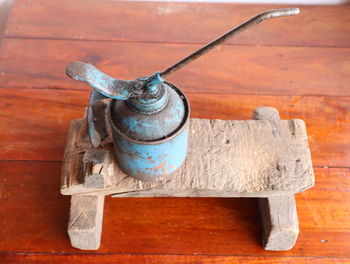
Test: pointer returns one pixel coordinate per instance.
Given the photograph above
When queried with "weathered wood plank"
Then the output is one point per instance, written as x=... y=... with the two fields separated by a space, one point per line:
x=85 y=221
x=74 y=157
x=176 y=22
x=227 y=70
x=37 y=216
x=253 y=158
x=41 y=133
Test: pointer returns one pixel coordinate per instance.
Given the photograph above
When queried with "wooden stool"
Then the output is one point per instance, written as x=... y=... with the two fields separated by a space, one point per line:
x=267 y=158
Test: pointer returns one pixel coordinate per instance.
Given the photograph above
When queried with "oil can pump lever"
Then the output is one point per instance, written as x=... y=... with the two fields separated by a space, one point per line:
x=124 y=89
x=249 y=23
x=103 y=83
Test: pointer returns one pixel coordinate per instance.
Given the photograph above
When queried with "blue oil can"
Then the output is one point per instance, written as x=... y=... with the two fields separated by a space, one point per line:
x=148 y=116
x=151 y=144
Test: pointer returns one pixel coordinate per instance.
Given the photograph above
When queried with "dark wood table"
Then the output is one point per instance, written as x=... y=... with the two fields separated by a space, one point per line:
x=300 y=65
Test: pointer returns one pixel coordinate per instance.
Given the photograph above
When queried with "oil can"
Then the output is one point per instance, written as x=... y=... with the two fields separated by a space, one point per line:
x=148 y=119
x=152 y=144
x=148 y=116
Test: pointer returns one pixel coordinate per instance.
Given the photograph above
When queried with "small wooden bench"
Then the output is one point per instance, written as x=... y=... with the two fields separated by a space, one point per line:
x=266 y=158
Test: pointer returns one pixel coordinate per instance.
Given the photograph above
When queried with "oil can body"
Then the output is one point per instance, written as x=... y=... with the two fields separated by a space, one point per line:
x=154 y=145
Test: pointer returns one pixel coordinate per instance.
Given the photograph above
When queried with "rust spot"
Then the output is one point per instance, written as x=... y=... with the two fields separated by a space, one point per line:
x=159 y=167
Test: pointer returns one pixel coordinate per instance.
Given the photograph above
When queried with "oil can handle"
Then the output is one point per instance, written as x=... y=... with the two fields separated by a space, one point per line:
x=103 y=83
x=233 y=32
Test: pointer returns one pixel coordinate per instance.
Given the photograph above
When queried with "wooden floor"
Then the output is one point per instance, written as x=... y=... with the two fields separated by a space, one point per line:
x=300 y=65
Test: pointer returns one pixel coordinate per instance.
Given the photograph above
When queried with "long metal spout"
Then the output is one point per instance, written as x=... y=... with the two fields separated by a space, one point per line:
x=251 y=22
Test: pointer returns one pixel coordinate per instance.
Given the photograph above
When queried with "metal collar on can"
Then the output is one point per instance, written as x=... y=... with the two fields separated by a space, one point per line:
x=181 y=127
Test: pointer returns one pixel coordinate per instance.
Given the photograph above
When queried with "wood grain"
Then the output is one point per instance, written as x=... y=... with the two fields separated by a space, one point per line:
x=176 y=22
x=34 y=123
x=284 y=63
x=163 y=259
x=41 y=133
x=85 y=221
x=36 y=215
x=226 y=70
x=219 y=162
x=280 y=222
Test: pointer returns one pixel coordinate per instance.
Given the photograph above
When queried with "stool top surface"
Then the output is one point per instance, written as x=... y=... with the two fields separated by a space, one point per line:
x=251 y=158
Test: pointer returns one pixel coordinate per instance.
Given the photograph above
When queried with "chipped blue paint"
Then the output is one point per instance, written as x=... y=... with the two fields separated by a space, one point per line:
x=154 y=145
x=150 y=161
x=153 y=81
x=103 y=83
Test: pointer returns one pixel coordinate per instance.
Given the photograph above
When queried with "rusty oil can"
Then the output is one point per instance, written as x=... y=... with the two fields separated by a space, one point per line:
x=149 y=120
x=151 y=141
x=148 y=116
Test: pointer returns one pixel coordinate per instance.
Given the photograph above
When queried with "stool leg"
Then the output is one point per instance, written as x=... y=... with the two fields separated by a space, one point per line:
x=278 y=213
x=280 y=222
x=85 y=221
